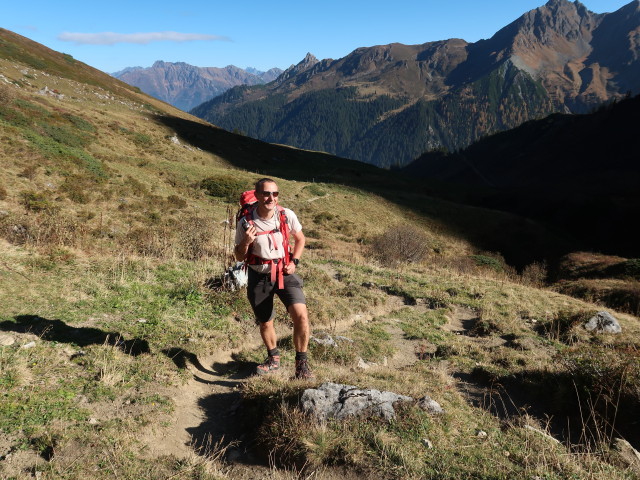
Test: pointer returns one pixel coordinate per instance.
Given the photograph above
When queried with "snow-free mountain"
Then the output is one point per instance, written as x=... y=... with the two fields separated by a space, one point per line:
x=388 y=104
x=186 y=86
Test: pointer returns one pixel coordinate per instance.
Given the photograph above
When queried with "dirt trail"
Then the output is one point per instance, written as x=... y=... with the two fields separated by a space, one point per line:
x=206 y=405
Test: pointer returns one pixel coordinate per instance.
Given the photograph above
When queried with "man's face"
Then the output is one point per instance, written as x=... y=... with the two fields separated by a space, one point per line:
x=268 y=201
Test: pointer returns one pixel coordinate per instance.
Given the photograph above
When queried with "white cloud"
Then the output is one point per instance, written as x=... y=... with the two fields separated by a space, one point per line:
x=111 y=38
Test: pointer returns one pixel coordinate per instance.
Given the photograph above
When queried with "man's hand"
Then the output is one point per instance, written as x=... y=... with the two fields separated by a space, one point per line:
x=289 y=268
x=249 y=235
x=242 y=248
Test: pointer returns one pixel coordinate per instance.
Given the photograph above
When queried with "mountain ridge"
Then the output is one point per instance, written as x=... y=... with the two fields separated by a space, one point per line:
x=186 y=86
x=555 y=58
x=578 y=173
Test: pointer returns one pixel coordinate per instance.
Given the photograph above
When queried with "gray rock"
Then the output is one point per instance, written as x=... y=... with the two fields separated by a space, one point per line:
x=603 y=322
x=333 y=400
x=630 y=455
x=323 y=338
x=541 y=433
x=6 y=340
x=340 y=338
x=427 y=404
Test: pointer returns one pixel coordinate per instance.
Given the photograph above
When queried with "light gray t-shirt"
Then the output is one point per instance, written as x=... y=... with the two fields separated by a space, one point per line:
x=268 y=246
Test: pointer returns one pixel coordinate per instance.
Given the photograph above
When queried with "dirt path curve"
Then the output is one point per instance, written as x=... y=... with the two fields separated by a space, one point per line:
x=205 y=406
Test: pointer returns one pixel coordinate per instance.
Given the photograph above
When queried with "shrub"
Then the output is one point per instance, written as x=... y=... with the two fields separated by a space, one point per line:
x=42 y=229
x=315 y=189
x=535 y=274
x=29 y=172
x=196 y=234
x=7 y=95
x=37 y=202
x=224 y=186
x=76 y=188
x=176 y=202
x=399 y=244
x=631 y=268
x=489 y=261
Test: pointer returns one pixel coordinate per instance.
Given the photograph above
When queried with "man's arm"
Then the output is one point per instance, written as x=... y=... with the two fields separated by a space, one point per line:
x=298 y=244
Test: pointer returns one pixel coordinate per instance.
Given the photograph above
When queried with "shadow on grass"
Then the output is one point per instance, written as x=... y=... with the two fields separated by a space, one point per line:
x=520 y=241
x=571 y=411
x=58 y=331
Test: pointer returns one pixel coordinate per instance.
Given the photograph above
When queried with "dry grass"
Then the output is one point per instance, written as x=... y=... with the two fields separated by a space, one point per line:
x=105 y=254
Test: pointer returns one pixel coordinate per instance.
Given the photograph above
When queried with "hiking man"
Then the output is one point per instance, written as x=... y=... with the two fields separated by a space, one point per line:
x=262 y=240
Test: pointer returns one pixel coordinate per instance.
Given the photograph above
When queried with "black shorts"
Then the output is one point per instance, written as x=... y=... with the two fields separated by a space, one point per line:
x=261 y=291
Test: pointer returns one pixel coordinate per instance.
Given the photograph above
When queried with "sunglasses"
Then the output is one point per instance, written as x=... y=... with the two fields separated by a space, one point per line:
x=266 y=194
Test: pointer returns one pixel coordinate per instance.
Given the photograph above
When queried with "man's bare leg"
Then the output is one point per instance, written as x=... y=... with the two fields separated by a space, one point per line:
x=268 y=334
x=300 y=317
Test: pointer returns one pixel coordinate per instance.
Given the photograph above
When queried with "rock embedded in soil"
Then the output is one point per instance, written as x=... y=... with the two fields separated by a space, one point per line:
x=429 y=405
x=603 y=322
x=6 y=340
x=333 y=400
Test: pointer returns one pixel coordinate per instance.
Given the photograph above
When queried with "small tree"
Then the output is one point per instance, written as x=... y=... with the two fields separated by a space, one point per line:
x=401 y=243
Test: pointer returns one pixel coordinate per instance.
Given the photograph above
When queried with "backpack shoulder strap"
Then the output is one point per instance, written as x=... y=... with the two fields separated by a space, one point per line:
x=284 y=228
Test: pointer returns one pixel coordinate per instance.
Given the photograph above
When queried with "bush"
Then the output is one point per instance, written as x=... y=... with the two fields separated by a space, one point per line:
x=535 y=274
x=224 y=186
x=631 y=268
x=176 y=202
x=402 y=243
x=37 y=202
x=489 y=261
x=7 y=95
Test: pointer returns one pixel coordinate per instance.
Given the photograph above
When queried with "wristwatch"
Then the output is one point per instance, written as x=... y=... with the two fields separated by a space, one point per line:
x=295 y=261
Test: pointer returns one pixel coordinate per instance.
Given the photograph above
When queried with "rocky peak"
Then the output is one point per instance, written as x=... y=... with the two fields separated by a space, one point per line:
x=307 y=62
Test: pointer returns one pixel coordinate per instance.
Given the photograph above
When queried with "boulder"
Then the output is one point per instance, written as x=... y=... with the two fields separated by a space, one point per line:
x=629 y=455
x=333 y=400
x=429 y=405
x=603 y=322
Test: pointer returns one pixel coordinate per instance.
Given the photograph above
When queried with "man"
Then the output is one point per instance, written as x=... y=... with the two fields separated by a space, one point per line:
x=260 y=242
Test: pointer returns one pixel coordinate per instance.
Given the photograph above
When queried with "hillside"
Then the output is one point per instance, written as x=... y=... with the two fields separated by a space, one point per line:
x=578 y=173
x=122 y=355
x=185 y=86
x=388 y=104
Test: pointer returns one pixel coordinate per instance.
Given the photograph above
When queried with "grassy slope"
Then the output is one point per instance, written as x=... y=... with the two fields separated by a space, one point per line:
x=108 y=240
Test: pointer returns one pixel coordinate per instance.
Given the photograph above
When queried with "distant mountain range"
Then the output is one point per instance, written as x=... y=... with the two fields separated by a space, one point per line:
x=186 y=86
x=388 y=104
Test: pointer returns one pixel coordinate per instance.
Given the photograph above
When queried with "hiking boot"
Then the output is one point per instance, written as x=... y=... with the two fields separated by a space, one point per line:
x=303 y=372
x=272 y=363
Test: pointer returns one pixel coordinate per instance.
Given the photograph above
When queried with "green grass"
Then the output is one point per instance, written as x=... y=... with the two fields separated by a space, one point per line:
x=110 y=235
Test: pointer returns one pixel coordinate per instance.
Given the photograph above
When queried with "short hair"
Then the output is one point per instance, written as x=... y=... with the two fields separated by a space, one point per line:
x=261 y=182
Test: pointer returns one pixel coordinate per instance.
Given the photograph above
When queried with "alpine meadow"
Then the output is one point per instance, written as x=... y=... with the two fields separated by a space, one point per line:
x=507 y=338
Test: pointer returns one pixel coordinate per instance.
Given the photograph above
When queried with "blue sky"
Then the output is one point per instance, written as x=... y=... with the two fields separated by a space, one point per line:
x=114 y=34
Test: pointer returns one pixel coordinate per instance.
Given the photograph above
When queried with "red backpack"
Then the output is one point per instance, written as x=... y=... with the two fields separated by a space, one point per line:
x=248 y=204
